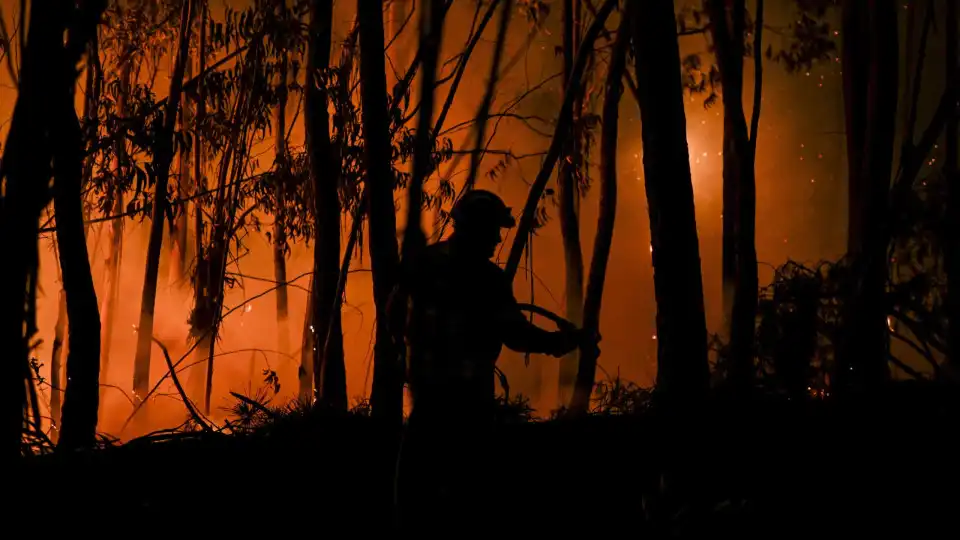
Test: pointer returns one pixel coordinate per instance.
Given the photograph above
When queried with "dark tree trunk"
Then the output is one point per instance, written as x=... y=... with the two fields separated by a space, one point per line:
x=870 y=82
x=953 y=197
x=56 y=362
x=200 y=309
x=200 y=315
x=279 y=233
x=181 y=229
x=328 y=369
x=682 y=369
x=739 y=259
x=162 y=160
x=46 y=70
x=78 y=424
x=570 y=202
x=92 y=95
x=414 y=240
x=25 y=163
x=386 y=398
x=305 y=372
x=587 y=369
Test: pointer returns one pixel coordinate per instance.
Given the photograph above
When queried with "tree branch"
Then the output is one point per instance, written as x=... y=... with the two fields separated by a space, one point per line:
x=560 y=135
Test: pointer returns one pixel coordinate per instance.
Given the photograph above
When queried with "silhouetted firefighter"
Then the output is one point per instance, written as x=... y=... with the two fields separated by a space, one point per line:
x=461 y=312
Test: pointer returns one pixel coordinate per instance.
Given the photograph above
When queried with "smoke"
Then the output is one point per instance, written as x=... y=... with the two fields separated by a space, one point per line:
x=797 y=217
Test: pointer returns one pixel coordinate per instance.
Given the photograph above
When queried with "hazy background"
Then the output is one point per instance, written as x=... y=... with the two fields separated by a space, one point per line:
x=801 y=214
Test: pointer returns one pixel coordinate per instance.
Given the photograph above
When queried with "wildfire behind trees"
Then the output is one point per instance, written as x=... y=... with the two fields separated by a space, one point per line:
x=290 y=156
x=241 y=205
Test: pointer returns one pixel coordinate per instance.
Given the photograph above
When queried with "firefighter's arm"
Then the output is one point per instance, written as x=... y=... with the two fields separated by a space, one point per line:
x=521 y=335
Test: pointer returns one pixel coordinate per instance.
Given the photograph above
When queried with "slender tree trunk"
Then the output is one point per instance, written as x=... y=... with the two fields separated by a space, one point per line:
x=56 y=362
x=746 y=300
x=870 y=94
x=112 y=272
x=414 y=239
x=739 y=272
x=682 y=369
x=727 y=30
x=181 y=229
x=953 y=196
x=59 y=341
x=586 y=372
x=163 y=158
x=570 y=202
x=556 y=144
x=327 y=368
x=200 y=308
x=223 y=229
x=81 y=394
x=279 y=234
x=387 y=395
x=78 y=424
x=307 y=344
x=215 y=269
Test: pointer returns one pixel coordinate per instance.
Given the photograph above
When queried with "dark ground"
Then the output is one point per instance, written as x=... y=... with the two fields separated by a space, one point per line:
x=768 y=468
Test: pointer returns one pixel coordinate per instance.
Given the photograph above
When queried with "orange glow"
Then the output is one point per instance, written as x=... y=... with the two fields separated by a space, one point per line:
x=250 y=337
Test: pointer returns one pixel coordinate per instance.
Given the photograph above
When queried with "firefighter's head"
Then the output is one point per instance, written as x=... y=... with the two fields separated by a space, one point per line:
x=478 y=218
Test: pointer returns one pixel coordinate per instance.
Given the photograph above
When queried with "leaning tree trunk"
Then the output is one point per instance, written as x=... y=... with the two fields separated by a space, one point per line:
x=279 y=232
x=431 y=36
x=870 y=82
x=682 y=369
x=560 y=134
x=739 y=266
x=570 y=203
x=163 y=158
x=327 y=367
x=587 y=369
x=386 y=398
x=952 y=172
x=81 y=394
x=90 y=103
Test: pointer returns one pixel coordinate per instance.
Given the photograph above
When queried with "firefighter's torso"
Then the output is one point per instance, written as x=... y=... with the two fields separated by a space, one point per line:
x=453 y=337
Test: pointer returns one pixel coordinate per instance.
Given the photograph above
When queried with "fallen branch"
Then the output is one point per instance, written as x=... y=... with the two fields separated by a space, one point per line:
x=176 y=382
x=197 y=342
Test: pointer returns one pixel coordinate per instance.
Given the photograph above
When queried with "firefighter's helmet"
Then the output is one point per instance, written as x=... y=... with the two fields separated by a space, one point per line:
x=479 y=207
